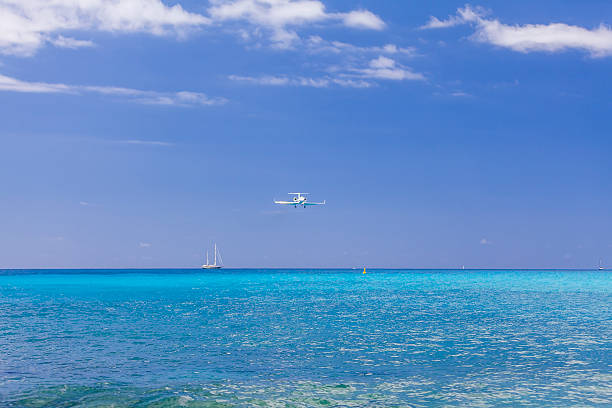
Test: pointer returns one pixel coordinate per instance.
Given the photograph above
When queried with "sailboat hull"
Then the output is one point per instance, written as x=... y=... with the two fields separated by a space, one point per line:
x=213 y=265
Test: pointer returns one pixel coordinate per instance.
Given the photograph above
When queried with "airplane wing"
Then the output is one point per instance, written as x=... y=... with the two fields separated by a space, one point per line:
x=285 y=202
x=307 y=203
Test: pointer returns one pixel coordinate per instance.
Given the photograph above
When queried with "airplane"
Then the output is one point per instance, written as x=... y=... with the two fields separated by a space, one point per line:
x=299 y=199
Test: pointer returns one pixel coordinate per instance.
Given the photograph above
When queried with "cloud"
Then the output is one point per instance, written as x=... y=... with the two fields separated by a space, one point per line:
x=279 y=18
x=553 y=37
x=16 y=85
x=182 y=98
x=263 y=80
x=144 y=142
x=26 y=25
x=84 y=203
x=144 y=244
x=381 y=68
x=322 y=82
x=461 y=94
x=352 y=83
x=363 y=19
x=273 y=13
x=485 y=241
x=317 y=44
x=68 y=42
x=387 y=68
x=436 y=23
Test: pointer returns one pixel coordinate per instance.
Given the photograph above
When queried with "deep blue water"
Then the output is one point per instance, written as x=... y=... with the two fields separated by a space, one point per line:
x=302 y=338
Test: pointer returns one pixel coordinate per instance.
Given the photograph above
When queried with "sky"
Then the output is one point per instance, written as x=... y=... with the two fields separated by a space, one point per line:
x=137 y=133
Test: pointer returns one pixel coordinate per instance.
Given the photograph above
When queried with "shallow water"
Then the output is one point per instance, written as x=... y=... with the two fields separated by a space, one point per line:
x=301 y=338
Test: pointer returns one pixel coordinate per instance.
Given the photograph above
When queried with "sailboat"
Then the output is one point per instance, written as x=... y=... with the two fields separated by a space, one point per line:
x=601 y=268
x=214 y=265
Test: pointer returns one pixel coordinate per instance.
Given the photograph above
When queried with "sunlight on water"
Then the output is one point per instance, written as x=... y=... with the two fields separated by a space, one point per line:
x=305 y=338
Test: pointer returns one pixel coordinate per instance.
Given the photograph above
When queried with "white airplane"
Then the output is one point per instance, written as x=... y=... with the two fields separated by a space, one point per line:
x=299 y=199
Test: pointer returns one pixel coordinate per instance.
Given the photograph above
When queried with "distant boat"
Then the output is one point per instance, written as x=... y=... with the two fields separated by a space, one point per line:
x=214 y=265
x=601 y=268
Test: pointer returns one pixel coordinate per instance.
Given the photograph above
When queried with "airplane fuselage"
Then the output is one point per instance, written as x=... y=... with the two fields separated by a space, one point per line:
x=298 y=200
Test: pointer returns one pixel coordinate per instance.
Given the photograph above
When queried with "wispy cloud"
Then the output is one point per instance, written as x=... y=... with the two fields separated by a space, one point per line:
x=322 y=82
x=144 y=244
x=553 y=37
x=461 y=94
x=451 y=21
x=485 y=241
x=143 y=142
x=317 y=44
x=387 y=68
x=264 y=80
x=16 y=85
x=182 y=98
x=68 y=42
x=381 y=68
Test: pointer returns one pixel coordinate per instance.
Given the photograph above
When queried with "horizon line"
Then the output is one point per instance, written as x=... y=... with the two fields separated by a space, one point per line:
x=307 y=268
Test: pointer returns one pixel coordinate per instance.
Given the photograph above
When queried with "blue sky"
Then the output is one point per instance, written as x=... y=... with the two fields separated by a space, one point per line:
x=441 y=134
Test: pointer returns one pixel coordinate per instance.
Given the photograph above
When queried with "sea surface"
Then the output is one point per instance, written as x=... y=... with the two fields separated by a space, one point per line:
x=305 y=338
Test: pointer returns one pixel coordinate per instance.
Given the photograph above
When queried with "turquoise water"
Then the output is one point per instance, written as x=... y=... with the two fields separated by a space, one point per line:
x=305 y=338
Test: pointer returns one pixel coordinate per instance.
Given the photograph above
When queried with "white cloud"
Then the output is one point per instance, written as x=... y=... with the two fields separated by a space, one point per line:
x=322 y=82
x=275 y=13
x=68 y=42
x=317 y=44
x=263 y=80
x=381 y=68
x=387 y=68
x=363 y=19
x=15 y=85
x=84 y=203
x=485 y=241
x=182 y=98
x=281 y=17
x=144 y=244
x=553 y=37
x=144 y=142
x=26 y=25
x=460 y=94
x=352 y=83
x=436 y=23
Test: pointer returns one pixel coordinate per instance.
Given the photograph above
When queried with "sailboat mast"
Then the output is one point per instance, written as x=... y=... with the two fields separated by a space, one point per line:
x=206 y=257
x=215 y=254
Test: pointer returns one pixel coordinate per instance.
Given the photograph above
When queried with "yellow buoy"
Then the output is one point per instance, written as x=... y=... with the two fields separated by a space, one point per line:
x=364 y=270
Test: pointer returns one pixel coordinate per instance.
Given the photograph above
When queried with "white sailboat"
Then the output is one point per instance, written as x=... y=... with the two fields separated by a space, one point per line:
x=214 y=265
x=601 y=268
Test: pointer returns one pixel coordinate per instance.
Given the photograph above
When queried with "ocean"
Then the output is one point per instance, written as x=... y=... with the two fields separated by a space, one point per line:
x=305 y=338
